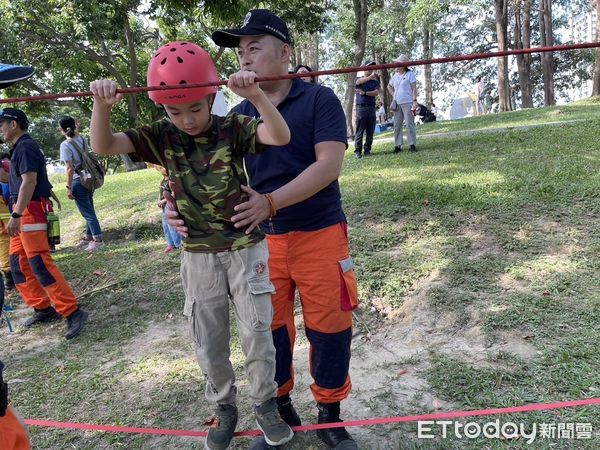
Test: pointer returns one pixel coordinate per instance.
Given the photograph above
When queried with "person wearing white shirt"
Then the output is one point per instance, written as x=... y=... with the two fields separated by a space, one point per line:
x=403 y=89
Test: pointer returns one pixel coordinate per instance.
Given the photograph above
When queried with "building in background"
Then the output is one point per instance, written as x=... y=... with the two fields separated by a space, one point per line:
x=582 y=28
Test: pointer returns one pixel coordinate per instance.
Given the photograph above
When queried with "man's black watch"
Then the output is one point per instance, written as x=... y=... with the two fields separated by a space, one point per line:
x=16 y=215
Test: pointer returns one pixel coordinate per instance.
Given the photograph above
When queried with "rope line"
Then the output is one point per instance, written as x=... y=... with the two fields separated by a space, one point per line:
x=421 y=62
x=353 y=423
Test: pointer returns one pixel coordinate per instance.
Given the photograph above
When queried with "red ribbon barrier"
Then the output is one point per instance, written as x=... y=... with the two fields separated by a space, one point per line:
x=353 y=423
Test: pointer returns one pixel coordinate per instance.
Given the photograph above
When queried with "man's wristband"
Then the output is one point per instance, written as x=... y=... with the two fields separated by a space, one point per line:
x=272 y=209
x=16 y=215
x=68 y=187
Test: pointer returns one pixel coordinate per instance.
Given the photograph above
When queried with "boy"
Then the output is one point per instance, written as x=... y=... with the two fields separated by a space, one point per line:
x=203 y=155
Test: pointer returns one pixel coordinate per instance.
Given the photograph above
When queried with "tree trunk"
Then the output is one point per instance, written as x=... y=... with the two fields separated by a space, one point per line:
x=523 y=40
x=501 y=12
x=313 y=46
x=132 y=107
x=428 y=54
x=546 y=40
x=384 y=79
x=596 y=81
x=361 y=14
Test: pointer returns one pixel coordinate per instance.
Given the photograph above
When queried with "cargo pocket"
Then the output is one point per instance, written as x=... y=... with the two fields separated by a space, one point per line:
x=36 y=209
x=261 y=289
x=348 y=286
x=189 y=310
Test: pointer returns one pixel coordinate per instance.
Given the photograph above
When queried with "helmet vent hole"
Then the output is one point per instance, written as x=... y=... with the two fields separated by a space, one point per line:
x=163 y=61
x=162 y=83
x=179 y=59
x=183 y=82
x=173 y=49
x=157 y=55
x=191 y=52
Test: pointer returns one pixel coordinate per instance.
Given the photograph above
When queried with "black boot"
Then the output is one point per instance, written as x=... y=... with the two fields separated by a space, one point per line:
x=287 y=411
x=75 y=323
x=9 y=283
x=335 y=438
x=41 y=316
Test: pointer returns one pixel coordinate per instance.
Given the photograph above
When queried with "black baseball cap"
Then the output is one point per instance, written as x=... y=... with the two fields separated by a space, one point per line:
x=14 y=114
x=10 y=74
x=256 y=23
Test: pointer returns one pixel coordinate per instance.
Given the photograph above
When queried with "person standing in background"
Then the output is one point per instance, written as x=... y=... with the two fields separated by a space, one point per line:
x=70 y=153
x=40 y=283
x=367 y=88
x=403 y=89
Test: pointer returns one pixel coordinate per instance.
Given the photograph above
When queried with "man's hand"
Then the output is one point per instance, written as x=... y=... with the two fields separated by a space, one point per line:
x=360 y=92
x=253 y=211
x=172 y=215
x=105 y=92
x=14 y=227
x=242 y=83
x=70 y=195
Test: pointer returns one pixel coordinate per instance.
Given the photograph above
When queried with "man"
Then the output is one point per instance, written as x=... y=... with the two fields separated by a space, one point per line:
x=13 y=434
x=297 y=198
x=38 y=280
x=367 y=88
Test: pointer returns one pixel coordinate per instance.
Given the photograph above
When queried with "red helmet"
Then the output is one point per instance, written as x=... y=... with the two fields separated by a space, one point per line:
x=181 y=62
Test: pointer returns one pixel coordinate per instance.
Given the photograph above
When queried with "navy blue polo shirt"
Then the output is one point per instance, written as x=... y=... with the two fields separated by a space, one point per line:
x=28 y=157
x=366 y=100
x=314 y=114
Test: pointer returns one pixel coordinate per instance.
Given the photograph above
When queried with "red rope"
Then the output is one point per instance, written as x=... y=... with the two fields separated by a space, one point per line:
x=421 y=62
x=354 y=423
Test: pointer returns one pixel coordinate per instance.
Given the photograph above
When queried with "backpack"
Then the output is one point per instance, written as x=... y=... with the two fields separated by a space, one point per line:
x=91 y=173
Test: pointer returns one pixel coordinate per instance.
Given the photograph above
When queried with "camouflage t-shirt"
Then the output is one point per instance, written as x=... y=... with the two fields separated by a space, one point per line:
x=206 y=173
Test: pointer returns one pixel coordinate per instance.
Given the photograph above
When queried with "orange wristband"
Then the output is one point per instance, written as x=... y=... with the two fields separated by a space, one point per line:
x=273 y=210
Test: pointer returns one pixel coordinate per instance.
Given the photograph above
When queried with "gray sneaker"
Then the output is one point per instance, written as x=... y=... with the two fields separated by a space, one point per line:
x=221 y=432
x=276 y=431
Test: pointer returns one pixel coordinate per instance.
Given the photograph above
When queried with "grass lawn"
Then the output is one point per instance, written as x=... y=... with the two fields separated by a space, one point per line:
x=477 y=259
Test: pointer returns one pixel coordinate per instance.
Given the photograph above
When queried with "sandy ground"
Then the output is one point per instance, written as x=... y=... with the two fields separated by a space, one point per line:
x=389 y=357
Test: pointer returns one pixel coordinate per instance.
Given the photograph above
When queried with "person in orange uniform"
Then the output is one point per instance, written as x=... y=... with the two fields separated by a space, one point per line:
x=38 y=280
x=13 y=435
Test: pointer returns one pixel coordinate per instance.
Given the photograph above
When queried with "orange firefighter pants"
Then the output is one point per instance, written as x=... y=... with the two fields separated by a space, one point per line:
x=12 y=434
x=38 y=280
x=318 y=265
